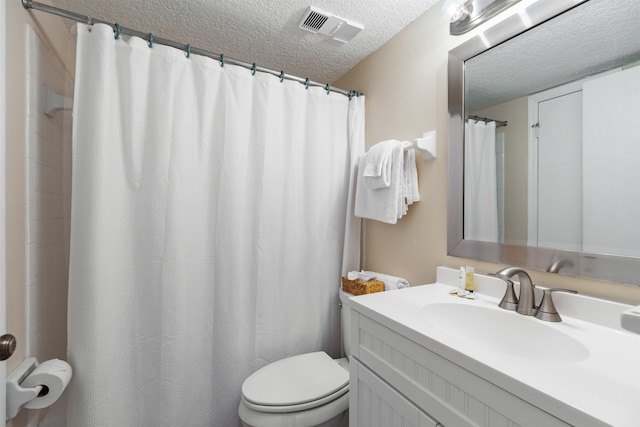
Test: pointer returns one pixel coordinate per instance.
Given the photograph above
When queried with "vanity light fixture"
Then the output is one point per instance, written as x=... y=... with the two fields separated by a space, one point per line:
x=455 y=10
x=463 y=15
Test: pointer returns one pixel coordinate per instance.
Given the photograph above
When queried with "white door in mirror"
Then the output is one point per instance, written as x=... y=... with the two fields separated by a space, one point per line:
x=630 y=319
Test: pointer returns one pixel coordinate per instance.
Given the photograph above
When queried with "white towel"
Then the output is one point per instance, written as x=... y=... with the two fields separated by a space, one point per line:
x=390 y=282
x=377 y=170
x=361 y=275
x=388 y=204
x=381 y=204
x=410 y=174
x=413 y=177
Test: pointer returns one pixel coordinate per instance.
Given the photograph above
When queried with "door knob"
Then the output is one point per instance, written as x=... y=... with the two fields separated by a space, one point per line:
x=7 y=346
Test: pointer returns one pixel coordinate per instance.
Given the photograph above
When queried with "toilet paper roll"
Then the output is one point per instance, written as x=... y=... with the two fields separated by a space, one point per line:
x=54 y=376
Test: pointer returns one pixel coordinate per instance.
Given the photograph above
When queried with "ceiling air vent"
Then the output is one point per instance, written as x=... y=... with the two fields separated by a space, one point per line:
x=320 y=22
x=313 y=19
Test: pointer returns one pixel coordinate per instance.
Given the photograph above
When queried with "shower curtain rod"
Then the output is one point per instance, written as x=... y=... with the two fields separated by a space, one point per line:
x=29 y=4
x=499 y=123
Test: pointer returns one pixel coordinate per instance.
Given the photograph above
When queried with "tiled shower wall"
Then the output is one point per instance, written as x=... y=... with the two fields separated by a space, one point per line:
x=48 y=214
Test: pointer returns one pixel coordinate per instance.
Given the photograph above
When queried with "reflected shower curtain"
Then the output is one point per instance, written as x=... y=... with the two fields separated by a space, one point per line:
x=480 y=182
x=209 y=211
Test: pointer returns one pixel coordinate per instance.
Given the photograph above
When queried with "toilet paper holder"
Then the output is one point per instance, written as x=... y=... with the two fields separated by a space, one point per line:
x=17 y=396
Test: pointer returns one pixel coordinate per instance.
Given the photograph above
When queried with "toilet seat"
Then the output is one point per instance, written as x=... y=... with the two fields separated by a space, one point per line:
x=296 y=383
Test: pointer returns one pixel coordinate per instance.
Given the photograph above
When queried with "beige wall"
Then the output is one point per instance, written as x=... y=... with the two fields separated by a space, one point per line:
x=56 y=36
x=405 y=83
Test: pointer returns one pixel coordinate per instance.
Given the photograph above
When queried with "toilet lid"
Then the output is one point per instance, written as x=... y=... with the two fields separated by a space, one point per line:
x=295 y=381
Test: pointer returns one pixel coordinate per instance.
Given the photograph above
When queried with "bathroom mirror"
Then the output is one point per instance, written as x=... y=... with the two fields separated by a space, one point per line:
x=556 y=71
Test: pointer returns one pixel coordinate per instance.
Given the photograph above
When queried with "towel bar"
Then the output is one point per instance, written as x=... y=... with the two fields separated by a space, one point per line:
x=427 y=145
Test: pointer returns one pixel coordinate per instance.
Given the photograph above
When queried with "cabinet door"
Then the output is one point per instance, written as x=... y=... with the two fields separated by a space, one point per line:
x=373 y=403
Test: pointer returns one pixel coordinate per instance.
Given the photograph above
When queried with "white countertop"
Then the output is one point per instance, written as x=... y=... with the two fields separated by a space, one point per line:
x=599 y=387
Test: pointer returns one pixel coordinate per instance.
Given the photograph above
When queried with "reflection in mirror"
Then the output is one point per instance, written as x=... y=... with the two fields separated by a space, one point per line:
x=560 y=183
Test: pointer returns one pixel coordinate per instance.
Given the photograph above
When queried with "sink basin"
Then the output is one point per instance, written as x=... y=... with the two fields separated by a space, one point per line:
x=503 y=331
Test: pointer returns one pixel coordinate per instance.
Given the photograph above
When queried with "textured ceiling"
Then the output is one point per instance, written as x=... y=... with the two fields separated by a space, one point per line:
x=262 y=31
x=593 y=37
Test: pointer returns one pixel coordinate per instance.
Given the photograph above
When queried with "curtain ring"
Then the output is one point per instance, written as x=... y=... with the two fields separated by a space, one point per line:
x=221 y=60
x=328 y=88
x=350 y=95
x=117 y=36
x=150 y=40
x=253 y=69
x=306 y=83
x=188 y=51
x=281 y=76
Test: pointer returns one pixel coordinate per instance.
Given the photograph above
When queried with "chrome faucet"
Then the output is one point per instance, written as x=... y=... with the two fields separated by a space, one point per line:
x=559 y=264
x=526 y=303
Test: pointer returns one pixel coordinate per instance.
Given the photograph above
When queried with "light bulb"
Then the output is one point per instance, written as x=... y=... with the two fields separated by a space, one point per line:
x=455 y=10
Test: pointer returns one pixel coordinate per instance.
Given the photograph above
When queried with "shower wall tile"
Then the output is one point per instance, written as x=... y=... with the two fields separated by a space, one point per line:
x=48 y=204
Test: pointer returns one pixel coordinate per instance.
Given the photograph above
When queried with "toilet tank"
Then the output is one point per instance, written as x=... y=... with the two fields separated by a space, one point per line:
x=345 y=320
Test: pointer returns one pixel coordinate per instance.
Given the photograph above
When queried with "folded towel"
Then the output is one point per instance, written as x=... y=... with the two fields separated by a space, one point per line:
x=381 y=204
x=377 y=170
x=410 y=180
x=390 y=282
x=360 y=275
x=413 y=176
x=387 y=204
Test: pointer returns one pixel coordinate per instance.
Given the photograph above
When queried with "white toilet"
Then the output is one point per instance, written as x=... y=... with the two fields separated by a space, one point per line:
x=306 y=390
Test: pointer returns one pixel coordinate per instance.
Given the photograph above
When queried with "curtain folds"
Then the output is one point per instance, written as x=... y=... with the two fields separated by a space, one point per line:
x=208 y=230
x=480 y=182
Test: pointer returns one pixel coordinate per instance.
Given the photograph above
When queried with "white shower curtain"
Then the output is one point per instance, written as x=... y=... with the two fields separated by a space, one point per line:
x=209 y=209
x=480 y=182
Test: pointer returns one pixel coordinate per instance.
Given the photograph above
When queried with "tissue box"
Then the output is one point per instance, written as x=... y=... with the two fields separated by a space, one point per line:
x=358 y=287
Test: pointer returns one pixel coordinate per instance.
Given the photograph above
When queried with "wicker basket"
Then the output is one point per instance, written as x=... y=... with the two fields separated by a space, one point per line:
x=358 y=287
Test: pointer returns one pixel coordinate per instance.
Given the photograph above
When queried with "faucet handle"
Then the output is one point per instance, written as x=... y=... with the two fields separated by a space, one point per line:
x=547 y=311
x=509 y=300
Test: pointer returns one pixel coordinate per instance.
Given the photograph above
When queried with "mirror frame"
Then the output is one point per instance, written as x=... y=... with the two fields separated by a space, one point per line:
x=621 y=269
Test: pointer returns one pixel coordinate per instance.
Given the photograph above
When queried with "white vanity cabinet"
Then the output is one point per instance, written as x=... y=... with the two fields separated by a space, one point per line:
x=379 y=405
x=396 y=382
